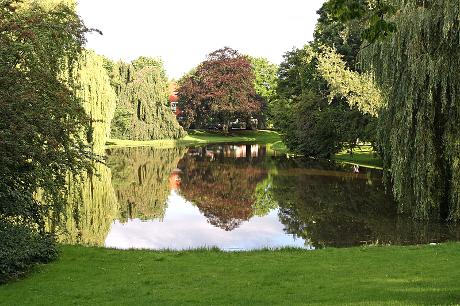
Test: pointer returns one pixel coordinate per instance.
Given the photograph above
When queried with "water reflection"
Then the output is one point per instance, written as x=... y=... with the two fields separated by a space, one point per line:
x=222 y=188
x=91 y=209
x=236 y=197
x=140 y=178
x=185 y=227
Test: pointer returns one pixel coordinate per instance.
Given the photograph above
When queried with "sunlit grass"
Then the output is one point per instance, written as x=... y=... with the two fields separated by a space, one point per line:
x=363 y=155
x=418 y=275
x=198 y=137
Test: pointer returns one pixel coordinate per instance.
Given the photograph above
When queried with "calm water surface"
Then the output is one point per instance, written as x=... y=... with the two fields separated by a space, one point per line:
x=235 y=197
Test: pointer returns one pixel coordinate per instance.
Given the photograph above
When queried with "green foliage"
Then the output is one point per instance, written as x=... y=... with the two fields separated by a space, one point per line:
x=419 y=126
x=97 y=97
x=265 y=82
x=312 y=123
x=23 y=247
x=265 y=78
x=143 y=111
x=221 y=89
x=42 y=122
x=373 y=15
x=343 y=37
x=357 y=88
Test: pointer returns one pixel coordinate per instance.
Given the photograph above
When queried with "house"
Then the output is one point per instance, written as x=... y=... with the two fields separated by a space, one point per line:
x=174 y=99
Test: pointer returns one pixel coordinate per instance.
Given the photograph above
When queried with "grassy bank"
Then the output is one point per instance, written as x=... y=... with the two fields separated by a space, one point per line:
x=362 y=156
x=199 y=137
x=419 y=275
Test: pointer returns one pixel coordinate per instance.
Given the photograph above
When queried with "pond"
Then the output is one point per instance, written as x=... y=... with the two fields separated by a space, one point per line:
x=235 y=197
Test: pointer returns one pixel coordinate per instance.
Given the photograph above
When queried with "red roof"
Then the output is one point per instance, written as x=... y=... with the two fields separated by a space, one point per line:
x=173 y=98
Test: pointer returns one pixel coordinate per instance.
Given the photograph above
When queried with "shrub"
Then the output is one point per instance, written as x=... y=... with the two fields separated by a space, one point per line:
x=21 y=248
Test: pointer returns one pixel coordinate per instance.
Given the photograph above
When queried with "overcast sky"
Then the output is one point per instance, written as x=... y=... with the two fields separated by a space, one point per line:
x=182 y=32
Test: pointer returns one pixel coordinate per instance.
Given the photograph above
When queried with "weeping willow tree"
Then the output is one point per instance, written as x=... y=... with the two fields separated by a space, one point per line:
x=97 y=96
x=143 y=111
x=417 y=69
x=141 y=180
x=92 y=204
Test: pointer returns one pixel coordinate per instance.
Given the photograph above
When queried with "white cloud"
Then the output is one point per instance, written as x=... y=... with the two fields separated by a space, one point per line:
x=182 y=32
x=185 y=227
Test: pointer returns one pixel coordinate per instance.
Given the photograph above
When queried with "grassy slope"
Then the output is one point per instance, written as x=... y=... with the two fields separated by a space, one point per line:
x=422 y=275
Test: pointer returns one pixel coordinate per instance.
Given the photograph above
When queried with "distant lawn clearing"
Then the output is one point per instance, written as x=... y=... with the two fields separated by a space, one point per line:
x=418 y=275
x=200 y=137
x=362 y=155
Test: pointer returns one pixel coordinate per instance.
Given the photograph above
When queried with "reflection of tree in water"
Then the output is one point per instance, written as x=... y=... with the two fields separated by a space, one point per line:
x=222 y=188
x=91 y=210
x=140 y=177
x=334 y=208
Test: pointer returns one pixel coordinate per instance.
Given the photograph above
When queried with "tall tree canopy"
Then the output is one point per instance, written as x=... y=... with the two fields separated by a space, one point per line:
x=321 y=96
x=417 y=69
x=221 y=89
x=265 y=82
x=143 y=111
x=42 y=123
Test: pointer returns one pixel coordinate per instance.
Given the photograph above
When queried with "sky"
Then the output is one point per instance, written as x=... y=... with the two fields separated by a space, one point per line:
x=183 y=32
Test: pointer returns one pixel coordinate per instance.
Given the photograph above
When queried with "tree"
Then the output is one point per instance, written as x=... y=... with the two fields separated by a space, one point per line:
x=265 y=82
x=221 y=89
x=323 y=103
x=143 y=111
x=417 y=69
x=372 y=14
x=312 y=123
x=43 y=125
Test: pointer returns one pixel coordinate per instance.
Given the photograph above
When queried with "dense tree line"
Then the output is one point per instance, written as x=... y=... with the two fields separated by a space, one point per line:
x=314 y=120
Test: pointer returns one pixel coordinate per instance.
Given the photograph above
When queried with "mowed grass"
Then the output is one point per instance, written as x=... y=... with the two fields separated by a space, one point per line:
x=362 y=155
x=418 y=275
x=199 y=137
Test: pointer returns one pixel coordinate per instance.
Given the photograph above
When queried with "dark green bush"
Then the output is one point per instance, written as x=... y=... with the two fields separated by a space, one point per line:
x=21 y=248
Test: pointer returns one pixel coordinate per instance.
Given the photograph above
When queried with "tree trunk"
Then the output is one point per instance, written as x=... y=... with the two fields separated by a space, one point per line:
x=225 y=127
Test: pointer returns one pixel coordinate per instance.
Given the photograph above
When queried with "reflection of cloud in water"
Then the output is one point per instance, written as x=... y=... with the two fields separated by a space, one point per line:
x=184 y=227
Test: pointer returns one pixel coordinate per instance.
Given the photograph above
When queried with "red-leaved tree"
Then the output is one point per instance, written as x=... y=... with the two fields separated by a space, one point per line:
x=219 y=90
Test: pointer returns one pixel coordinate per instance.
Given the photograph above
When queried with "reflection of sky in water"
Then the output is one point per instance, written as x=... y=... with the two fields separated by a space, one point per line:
x=184 y=227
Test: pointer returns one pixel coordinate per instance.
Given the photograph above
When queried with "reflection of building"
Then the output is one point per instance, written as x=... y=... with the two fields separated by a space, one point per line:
x=241 y=151
x=174 y=179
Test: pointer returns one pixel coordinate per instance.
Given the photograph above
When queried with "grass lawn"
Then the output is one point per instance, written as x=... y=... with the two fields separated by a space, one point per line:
x=199 y=137
x=418 y=275
x=362 y=156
